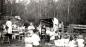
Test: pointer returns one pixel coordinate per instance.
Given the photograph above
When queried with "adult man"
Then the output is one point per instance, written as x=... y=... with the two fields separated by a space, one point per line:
x=9 y=29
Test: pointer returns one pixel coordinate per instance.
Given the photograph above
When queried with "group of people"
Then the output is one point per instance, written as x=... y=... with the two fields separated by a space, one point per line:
x=70 y=42
x=64 y=39
x=34 y=35
x=9 y=28
x=33 y=38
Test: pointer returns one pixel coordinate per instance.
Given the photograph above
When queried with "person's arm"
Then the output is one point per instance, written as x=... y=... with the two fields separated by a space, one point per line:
x=6 y=23
x=84 y=42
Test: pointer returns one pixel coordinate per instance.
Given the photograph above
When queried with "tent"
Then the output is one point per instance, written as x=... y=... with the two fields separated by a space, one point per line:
x=47 y=22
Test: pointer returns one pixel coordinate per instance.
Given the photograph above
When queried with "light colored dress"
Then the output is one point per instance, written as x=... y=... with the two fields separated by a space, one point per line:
x=55 y=24
x=28 y=42
x=66 y=41
x=72 y=43
x=30 y=29
x=57 y=42
x=35 y=39
x=52 y=34
x=9 y=24
x=80 y=42
x=39 y=29
x=62 y=42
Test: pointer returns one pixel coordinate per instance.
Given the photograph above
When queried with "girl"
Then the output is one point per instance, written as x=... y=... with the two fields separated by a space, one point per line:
x=35 y=39
x=73 y=43
x=80 y=41
x=28 y=40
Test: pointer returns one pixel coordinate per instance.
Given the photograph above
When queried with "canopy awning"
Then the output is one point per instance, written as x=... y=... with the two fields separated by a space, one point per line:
x=47 y=22
x=78 y=26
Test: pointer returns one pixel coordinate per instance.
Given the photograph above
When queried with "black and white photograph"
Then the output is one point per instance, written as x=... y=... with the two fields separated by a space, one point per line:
x=42 y=23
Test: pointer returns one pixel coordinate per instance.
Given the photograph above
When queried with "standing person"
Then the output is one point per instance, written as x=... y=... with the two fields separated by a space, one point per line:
x=28 y=40
x=4 y=28
x=55 y=24
x=39 y=28
x=48 y=32
x=31 y=27
x=35 y=39
x=66 y=40
x=80 y=41
x=9 y=29
x=52 y=37
x=57 y=39
x=43 y=33
x=72 y=42
x=57 y=42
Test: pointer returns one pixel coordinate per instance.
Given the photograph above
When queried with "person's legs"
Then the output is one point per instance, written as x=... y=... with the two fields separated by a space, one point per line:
x=13 y=36
x=48 y=38
x=9 y=35
x=28 y=45
x=36 y=46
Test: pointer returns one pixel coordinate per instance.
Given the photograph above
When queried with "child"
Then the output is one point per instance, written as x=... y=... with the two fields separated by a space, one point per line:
x=62 y=41
x=66 y=41
x=28 y=40
x=80 y=42
x=35 y=39
x=57 y=42
x=72 y=43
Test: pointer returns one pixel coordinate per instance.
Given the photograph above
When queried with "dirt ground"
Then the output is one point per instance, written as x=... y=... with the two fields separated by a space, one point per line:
x=16 y=43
